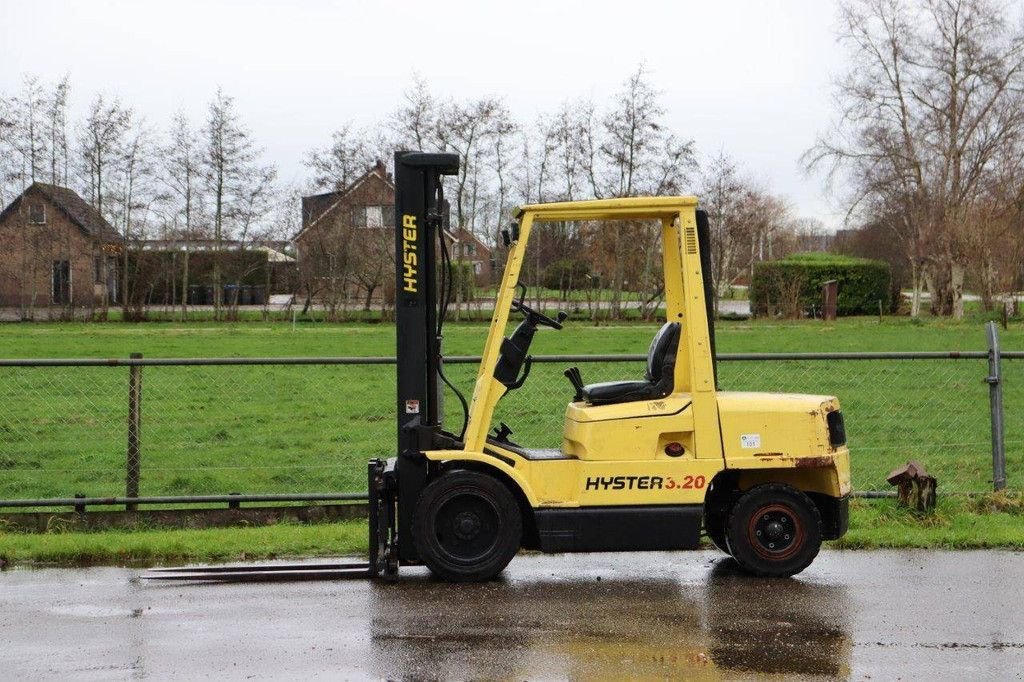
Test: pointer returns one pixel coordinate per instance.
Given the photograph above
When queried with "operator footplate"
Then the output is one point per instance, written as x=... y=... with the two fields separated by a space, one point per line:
x=260 y=573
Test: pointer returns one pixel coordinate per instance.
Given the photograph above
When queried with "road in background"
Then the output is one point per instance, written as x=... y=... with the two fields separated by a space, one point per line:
x=865 y=615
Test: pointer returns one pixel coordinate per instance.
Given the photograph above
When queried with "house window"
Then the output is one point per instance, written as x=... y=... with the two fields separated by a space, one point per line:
x=358 y=216
x=36 y=214
x=373 y=217
x=470 y=249
x=97 y=269
x=478 y=267
x=61 y=282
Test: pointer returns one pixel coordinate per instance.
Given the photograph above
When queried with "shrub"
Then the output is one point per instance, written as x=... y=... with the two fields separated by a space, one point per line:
x=792 y=286
x=567 y=274
x=463 y=281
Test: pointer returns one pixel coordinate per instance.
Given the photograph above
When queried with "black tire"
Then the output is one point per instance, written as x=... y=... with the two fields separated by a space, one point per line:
x=714 y=528
x=774 y=530
x=716 y=514
x=467 y=526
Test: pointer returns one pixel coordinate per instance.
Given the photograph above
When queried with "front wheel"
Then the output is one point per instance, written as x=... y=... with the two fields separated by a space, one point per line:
x=467 y=526
x=774 y=530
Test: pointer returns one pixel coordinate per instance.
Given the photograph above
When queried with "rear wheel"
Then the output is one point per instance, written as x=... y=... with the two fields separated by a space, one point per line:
x=716 y=513
x=774 y=530
x=467 y=526
x=714 y=528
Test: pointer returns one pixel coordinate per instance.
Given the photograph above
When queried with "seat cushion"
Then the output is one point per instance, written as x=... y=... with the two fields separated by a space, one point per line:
x=611 y=392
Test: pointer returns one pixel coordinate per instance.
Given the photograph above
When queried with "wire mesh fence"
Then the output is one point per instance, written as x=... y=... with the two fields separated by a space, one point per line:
x=300 y=426
x=933 y=410
x=1013 y=416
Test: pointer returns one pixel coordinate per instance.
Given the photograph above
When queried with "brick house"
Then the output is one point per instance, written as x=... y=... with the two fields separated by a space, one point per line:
x=57 y=251
x=345 y=248
x=467 y=247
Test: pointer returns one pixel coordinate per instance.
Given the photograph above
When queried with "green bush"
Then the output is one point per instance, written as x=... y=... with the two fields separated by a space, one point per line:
x=792 y=286
x=567 y=274
x=463 y=281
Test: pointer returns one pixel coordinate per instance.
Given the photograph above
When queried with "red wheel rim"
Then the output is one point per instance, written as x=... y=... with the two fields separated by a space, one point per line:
x=775 y=532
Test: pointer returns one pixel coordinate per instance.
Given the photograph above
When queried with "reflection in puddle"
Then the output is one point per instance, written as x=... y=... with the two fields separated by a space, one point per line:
x=780 y=626
x=611 y=628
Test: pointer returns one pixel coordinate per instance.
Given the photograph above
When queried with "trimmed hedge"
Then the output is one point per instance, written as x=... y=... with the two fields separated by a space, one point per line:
x=792 y=286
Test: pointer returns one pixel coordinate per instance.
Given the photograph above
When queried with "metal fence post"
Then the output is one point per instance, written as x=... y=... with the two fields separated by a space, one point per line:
x=995 y=393
x=134 y=431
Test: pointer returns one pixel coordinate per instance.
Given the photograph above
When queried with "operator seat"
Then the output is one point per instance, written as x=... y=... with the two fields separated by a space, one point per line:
x=661 y=363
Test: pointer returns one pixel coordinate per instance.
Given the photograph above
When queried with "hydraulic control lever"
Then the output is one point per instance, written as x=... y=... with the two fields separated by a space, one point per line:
x=574 y=377
x=502 y=432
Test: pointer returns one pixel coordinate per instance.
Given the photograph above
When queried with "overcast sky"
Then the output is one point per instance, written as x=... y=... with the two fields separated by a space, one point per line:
x=750 y=77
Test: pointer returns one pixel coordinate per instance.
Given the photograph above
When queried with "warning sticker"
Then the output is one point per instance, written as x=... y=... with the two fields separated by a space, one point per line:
x=412 y=407
x=750 y=440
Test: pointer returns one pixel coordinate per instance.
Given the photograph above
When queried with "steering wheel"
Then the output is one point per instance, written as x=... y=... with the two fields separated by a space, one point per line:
x=532 y=315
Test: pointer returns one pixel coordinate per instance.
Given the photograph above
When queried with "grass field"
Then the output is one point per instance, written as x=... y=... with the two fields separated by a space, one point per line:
x=307 y=429
x=213 y=430
x=959 y=523
x=255 y=339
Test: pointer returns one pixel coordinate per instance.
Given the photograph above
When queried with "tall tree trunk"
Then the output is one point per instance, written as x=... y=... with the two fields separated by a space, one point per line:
x=917 y=281
x=617 y=274
x=988 y=276
x=184 y=284
x=956 y=286
x=217 y=292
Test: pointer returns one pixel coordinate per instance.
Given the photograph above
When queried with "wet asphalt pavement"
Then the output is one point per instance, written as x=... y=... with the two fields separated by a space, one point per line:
x=862 y=615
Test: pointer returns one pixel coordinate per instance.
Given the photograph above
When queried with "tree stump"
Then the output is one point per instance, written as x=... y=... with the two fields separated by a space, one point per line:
x=915 y=487
x=829 y=300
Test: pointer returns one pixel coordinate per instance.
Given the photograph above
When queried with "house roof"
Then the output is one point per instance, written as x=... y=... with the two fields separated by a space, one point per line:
x=462 y=234
x=323 y=204
x=73 y=206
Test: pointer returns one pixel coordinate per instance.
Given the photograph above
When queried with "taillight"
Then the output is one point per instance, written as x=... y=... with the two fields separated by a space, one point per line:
x=836 y=428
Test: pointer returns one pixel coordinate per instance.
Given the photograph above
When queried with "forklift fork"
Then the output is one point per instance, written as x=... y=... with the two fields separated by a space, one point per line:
x=382 y=538
x=383 y=530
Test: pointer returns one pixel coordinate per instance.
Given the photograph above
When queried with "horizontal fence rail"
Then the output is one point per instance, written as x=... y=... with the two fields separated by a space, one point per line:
x=475 y=359
x=185 y=499
x=286 y=429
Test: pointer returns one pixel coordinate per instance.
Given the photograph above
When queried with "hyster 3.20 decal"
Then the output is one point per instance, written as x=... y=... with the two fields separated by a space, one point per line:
x=643 y=483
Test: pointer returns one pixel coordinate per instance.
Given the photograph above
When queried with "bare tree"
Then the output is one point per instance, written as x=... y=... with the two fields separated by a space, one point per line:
x=131 y=205
x=102 y=140
x=638 y=156
x=931 y=97
x=227 y=163
x=57 y=131
x=722 y=193
x=183 y=177
x=350 y=153
x=256 y=198
x=415 y=121
x=29 y=113
x=8 y=169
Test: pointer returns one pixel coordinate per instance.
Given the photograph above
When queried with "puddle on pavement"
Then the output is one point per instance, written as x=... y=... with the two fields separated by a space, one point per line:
x=613 y=628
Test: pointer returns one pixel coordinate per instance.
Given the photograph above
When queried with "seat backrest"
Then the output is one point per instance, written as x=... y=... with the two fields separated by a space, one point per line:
x=662 y=352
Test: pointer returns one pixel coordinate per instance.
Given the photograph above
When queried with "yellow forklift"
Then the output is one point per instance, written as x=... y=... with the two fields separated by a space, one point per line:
x=647 y=463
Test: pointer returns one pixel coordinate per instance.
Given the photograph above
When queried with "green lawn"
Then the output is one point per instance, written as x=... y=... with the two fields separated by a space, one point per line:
x=254 y=339
x=959 y=523
x=154 y=546
x=210 y=430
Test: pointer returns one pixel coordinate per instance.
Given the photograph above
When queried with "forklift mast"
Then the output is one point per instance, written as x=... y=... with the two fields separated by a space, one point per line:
x=418 y=228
